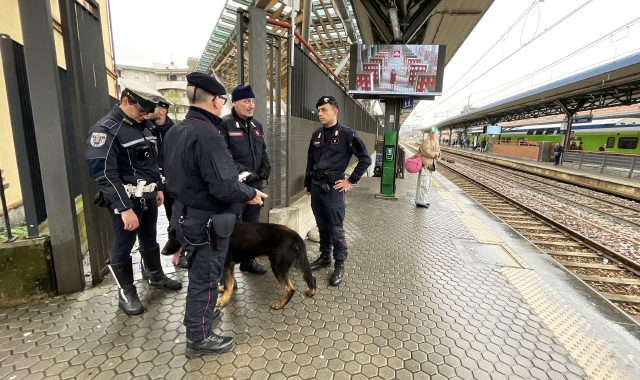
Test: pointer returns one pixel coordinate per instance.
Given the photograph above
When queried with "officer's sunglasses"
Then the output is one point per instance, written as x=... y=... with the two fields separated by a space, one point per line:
x=139 y=108
x=223 y=98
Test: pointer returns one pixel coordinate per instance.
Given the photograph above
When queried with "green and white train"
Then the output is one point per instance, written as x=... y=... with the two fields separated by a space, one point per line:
x=618 y=135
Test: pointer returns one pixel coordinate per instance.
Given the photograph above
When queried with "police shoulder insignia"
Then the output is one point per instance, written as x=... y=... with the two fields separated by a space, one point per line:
x=98 y=139
x=109 y=123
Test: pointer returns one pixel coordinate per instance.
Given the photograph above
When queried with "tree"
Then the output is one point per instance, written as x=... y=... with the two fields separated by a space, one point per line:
x=174 y=97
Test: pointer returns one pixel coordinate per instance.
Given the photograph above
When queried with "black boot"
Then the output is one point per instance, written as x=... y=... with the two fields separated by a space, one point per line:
x=214 y=344
x=252 y=266
x=157 y=278
x=338 y=273
x=127 y=295
x=324 y=261
x=173 y=245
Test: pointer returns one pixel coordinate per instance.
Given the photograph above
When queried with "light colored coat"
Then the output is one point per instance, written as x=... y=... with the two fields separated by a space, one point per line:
x=428 y=151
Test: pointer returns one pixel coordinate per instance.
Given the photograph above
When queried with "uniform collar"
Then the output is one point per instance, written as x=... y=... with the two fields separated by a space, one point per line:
x=200 y=113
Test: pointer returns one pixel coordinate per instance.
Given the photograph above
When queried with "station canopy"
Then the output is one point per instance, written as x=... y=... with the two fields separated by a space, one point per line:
x=611 y=85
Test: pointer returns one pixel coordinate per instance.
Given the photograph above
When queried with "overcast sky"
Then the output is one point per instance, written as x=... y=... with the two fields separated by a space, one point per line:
x=148 y=31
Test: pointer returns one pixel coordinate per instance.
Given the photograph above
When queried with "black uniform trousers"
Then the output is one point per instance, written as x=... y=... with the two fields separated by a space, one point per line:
x=205 y=271
x=123 y=240
x=329 y=209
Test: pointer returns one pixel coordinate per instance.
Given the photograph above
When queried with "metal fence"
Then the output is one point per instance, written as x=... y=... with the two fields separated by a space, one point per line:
x=619 y=165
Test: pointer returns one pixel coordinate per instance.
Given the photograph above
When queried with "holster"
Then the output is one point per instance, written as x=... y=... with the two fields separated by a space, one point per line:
x=100 y=200
x=221 y=229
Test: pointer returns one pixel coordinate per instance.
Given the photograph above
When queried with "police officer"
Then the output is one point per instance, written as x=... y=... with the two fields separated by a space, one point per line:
x=245 y=138
x=161 y=124
x=123 y=159
x=203 y=181
x=329 y=153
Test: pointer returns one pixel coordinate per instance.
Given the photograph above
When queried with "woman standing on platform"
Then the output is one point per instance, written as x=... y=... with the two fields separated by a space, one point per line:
x=429 y=151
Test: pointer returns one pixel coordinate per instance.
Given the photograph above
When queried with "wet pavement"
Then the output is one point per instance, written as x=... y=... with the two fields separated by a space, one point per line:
x=447 y=292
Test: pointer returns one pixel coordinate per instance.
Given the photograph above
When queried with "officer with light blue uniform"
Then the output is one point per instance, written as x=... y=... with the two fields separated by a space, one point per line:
x=122 y=156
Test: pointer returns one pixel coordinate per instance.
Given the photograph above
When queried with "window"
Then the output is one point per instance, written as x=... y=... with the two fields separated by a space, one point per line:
x=146 y=78
x=137 y=75
x=627 y=143
x=540 y=131
x=531 y=131
x=172 y=77
x=184 y=78
x=611 y=141
x=550 y=131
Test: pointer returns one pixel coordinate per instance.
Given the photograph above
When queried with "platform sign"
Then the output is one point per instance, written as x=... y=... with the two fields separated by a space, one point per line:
x=583 y=119
x=407 y=103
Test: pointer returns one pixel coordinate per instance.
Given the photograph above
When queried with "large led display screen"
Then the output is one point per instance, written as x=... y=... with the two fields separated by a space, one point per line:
x=396 y=70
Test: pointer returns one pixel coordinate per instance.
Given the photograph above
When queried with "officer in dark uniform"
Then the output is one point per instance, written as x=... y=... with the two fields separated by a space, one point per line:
x=245 y=138
x=161 y=124
x=203 y=181
x=329 y=154
x=123 y=159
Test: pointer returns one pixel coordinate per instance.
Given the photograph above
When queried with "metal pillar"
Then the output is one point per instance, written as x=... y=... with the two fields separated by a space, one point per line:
x=290 y=62
x=257 y=58
x=569 y=113
x=306 y=20
x=240 y=44
x=278 y=77
x=46 y=103
x=20 y=140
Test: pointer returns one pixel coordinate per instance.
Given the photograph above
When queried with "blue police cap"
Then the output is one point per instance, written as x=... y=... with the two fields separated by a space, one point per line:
x=242 y=92
x=206 y=82
x=325 y=100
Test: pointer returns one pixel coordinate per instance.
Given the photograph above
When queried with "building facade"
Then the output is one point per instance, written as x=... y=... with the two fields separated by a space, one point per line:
x=11 y=26
x=167 y=79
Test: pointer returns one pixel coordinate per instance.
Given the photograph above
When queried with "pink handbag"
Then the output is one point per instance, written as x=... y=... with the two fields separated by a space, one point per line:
x=413 y=164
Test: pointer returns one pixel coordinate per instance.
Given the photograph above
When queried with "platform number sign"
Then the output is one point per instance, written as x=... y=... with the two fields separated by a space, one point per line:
x=396 y=54
x=407 y=104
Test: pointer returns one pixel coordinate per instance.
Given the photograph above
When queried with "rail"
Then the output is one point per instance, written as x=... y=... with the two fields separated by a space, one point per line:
x=621 y=165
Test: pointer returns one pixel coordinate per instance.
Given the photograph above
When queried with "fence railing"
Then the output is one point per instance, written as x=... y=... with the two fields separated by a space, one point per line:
x=620 y=165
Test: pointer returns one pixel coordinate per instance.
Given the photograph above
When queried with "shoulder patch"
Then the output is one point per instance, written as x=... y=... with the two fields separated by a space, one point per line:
x=98 y=139
x=109 y=123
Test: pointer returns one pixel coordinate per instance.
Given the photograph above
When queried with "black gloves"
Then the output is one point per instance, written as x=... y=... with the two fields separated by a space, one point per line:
x=252 y=178
x=100 y=200
x=264 y=171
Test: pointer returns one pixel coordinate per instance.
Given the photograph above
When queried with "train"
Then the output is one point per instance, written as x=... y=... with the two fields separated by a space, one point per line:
x=617 y=135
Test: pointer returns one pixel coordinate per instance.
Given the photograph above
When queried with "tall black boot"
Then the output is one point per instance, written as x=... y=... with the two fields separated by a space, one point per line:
x=252 y=266
x=127 y=295
x=338 y=273
x=157 y=278
x=173 y=245
x=324 y=261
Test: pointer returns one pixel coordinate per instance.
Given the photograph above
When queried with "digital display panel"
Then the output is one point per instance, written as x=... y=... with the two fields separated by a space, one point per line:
x=396 y=71
x=493 y=130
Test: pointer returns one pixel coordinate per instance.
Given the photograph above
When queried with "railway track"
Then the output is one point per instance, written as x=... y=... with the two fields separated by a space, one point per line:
x=614 y=274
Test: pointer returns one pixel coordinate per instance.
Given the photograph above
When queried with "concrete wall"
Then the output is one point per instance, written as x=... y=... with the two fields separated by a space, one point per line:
x=10 y=24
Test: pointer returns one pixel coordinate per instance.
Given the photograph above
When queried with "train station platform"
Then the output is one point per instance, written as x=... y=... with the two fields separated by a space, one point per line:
x=626 y=187
x=448 y=292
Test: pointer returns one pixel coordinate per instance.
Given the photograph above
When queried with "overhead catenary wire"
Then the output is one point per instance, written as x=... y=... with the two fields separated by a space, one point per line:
x=440 y=100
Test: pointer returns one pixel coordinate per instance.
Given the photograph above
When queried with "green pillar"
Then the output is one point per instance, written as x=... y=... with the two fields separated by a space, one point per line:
x=388 y=180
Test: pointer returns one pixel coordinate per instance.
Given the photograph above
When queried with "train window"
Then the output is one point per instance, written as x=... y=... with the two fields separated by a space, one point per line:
x=539 y=131
x=550 y=131
x=627 y=143
x=530 y=131
x=611 y=141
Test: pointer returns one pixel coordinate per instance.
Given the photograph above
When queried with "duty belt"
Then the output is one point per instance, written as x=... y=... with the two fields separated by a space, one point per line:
x=140 y=189
x=194 y=212
x=330 y=176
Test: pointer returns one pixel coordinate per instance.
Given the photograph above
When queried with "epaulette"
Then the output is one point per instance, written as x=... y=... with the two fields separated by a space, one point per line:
x=109 y=123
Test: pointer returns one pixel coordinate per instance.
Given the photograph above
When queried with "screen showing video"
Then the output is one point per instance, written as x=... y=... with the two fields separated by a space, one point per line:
x=411 y=70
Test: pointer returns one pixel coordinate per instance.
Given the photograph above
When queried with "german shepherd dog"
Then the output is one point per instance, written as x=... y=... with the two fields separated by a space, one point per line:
x=282 y=245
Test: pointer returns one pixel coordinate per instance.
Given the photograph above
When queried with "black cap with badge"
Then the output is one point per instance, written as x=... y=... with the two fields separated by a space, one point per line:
x=328 y=99
x=206 y=82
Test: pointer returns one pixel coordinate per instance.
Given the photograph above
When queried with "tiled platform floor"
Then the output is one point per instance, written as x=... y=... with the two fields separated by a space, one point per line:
x=443 y=293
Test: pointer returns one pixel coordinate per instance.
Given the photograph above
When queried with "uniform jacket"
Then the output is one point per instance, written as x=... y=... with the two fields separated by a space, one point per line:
x=335 y=155
x=199 y=169
x=428 y=150
x=245 y=139
x=159 y=131
x=120 y=152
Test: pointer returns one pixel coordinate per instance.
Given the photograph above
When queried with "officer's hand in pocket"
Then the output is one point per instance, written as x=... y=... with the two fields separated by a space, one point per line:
x=130 y=220
x=258 y=199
